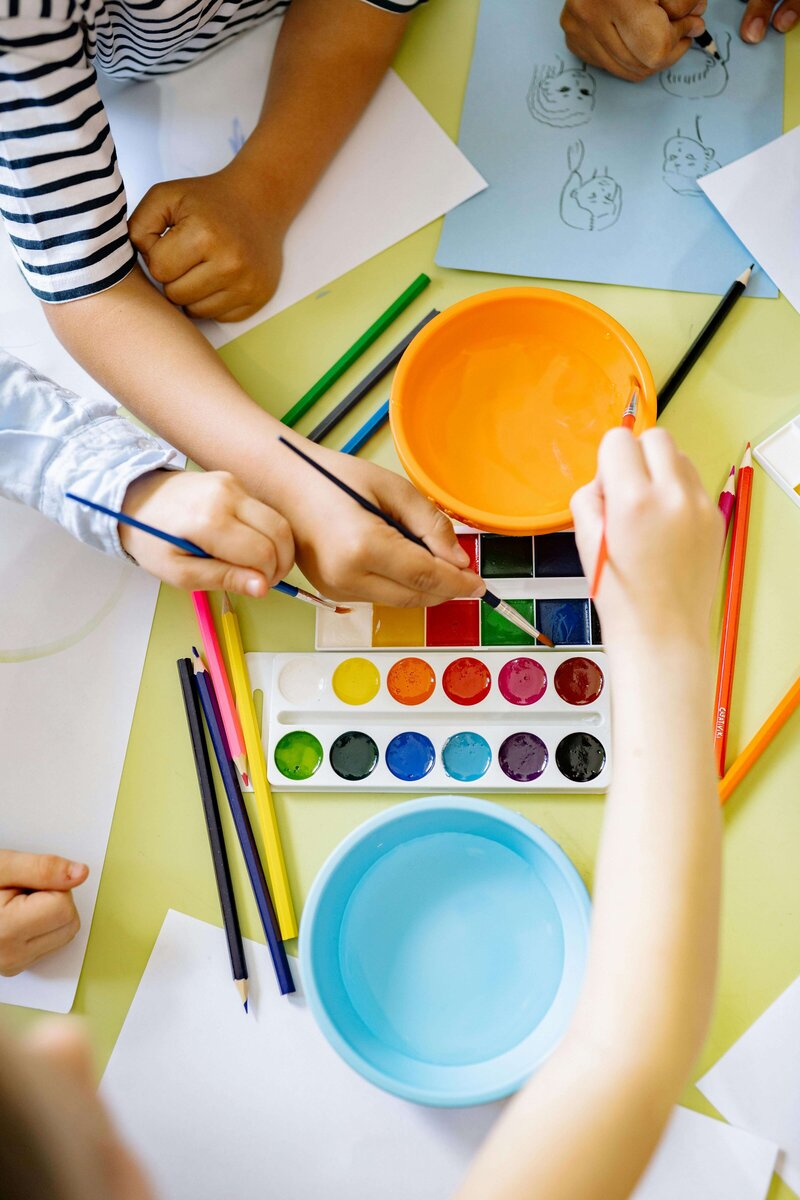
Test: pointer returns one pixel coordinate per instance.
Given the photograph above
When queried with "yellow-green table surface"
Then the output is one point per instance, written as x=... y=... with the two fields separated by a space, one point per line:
x=746 y=384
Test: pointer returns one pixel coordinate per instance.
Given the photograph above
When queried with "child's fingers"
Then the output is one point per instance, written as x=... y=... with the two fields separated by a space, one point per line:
x=156 y=212
x=219 y=306
x=39 y=947
x=38 y=913
x=621 y=467
x=409 y=506
x=787 y=16
x=200 y=281
x=587 y=507
x=215 y=575
x=272 y=525
x=424 y=578
x=39 y=871
x=178 y=252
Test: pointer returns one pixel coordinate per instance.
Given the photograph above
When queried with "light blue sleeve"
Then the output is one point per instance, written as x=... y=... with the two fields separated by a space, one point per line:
x=52 y=442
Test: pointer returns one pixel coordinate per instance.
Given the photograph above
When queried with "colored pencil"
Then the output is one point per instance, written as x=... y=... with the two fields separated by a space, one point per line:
x=367 y=430
x=222 y=688
x=216 y=842
x=501 y=606
x=244 y=829
x=288 y=589
x=368 y=382
x=703 y=338
x=733 y=606
x=727 y=500
x=363 y=343
x=628 y=422
x=276 y=865
x=758 y=744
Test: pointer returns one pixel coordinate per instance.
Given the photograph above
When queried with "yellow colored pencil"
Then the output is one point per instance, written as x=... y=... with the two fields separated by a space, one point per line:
x=276 y=865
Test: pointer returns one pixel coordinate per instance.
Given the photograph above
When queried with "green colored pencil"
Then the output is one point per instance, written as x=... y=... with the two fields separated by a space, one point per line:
x=356 y=350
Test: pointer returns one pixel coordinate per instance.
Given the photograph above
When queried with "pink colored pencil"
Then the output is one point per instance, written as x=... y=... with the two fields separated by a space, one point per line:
x=219 y=677
x=727 y=500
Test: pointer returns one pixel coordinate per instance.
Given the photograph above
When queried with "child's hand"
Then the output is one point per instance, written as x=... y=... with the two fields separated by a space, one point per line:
x=221 y=252
x=757 y=18
x=351 y=555
x=632 y=38
x=252 y=544
x=664 y=537
x=37 y=912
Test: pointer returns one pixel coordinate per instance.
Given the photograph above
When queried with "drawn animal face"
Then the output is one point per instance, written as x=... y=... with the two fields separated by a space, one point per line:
x=598 y=195
x=685 y=161
x=565 y=99
x=697 y=75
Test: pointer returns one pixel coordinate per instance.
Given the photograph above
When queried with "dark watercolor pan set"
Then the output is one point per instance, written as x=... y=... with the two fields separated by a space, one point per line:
x=541 y=576
x=520 y=720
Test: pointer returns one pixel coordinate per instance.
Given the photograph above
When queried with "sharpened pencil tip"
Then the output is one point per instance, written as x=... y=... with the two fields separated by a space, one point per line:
x=246 y=1009
x=195 y=652
x=341 y=610
x=245 y=779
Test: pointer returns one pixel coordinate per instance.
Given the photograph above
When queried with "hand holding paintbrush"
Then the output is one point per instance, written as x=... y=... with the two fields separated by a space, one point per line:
x=481 y=591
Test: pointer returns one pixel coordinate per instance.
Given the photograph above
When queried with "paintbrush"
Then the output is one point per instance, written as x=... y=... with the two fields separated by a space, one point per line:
x=288 y=589
x=501 y=606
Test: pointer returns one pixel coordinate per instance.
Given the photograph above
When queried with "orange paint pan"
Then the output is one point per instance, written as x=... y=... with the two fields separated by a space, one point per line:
x=499 y=404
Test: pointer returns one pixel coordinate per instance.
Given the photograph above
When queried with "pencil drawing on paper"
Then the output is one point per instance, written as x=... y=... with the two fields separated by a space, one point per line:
x=698 y=75
x=687 y=159
x=237 y=136
x=591 y=203
x=562 y=96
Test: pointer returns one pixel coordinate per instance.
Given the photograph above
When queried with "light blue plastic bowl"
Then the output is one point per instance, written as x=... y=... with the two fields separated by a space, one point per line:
x=442 y=948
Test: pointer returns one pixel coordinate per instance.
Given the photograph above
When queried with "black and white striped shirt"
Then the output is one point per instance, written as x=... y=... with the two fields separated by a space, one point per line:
x=61 y=193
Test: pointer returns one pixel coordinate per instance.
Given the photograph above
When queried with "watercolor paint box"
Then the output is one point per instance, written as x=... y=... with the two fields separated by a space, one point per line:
x=501 y=721
x=541 y=576
x=779 y=455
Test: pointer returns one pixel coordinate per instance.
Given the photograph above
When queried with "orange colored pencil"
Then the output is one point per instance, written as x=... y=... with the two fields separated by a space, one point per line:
x=758 y=744
x=733 y=607
x=628 y=422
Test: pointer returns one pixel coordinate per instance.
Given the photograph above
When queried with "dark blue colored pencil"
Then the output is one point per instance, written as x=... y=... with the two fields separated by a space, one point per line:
x=370 y=427
x=216 y=842
x=244 y=829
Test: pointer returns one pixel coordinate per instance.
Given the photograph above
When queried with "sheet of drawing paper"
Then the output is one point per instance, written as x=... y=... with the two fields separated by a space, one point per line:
x=757 y=1083
x=74 y=627
x=217 y=1103
x=397 y=172
x=700 y=1158
x=222 y=1104
x=593 y=178
x=759 y=197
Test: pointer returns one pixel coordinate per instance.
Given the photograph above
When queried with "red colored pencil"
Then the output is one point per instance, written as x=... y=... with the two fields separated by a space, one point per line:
x=727 y=501
x=628 y=422
x=733 y=606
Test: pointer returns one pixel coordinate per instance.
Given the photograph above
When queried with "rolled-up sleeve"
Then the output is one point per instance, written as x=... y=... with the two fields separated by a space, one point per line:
x=53 y=442
x=61 y=193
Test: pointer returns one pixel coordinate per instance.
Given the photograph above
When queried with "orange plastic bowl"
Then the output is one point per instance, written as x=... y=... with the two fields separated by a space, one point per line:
x=499 y=404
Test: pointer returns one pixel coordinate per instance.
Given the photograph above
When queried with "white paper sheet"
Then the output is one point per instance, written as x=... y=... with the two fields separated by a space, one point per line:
x=699 y=1158
x=397 y=172
x=757 y=1083
x=74 y=627
x=759 y=197
x=217 y=1103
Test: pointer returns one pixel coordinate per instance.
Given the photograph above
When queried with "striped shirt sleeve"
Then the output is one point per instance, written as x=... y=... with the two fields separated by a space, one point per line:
x=61 y=192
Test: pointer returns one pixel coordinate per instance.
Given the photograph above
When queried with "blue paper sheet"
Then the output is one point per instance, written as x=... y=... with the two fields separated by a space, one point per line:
x=593 y=178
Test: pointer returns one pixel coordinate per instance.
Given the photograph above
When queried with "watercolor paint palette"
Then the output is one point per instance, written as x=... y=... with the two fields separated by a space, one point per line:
x=540 y=576
x=494 y=721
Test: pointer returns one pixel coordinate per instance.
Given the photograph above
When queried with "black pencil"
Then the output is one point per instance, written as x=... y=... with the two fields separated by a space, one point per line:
x=703 y=338
x=502 y=606
x=368 y=382
x=222 y=871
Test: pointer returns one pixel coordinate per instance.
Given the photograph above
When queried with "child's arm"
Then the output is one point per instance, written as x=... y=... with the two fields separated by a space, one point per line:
x=220 y=253
x=587 y=1123
x=53 y=442
x=144 y=351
